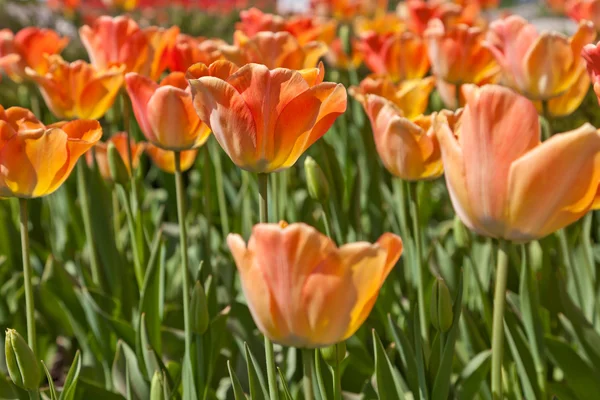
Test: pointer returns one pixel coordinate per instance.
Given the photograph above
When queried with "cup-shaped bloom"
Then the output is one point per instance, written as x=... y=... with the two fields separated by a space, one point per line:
x=503 y=181
x=539 y=66
x=77 y=89
x=457 y=53
x=165 y=159
x=304 y=291
x=115 y=41
x=28 y=48
x=119 y=140
x=36 y=159
x=581 y=10
x=265 y=119
x=399 y=55
x=165 y=111
x=273 y=49
x=188 y=50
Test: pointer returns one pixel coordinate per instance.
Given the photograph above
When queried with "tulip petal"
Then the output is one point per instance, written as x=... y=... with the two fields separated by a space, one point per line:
x=221 y=69
x=165 y=159
x=547 y=66
x=140 y=90
x=99 y=95
x=569 y=101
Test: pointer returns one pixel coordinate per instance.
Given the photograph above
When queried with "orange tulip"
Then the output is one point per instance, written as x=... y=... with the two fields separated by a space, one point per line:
x=124 y=5
x=254 y=20
x=28 y=48
x=540 y=66
x=591 y=54
x=457 y=53
x=36 y=159
x=419 y=13
x=309 y=29
x=77 y=89
x=503 y=181
x=557 y=6
x=160 y=41
x=382 y=24
x=165 y=112
x=165 y=159
x=337 y=57
x=273 y=49
x=265 y=119
x=348 y=9
x=581 y=10
x=120 y=142
x=400 y=55
x=187 y=51
x=304 y=291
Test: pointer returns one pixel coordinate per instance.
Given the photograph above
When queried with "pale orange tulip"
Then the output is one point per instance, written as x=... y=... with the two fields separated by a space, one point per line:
x=36 y=159
x=100 y=155
x=165 y=159
x=187 y=51
x=265 y=119
x=304 y=291
x=503 y=181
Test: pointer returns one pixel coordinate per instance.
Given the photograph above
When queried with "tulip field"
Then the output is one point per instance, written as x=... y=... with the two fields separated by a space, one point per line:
x=358 y=200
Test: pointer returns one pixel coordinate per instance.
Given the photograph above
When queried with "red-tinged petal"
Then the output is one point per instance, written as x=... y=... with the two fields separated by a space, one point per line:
x=140 y=90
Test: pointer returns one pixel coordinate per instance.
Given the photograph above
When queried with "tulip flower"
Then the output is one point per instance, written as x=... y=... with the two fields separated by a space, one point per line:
x=419 y=13
x=165 y=111
x=539 y=66
x=124 y=5
x=253 y=21
x=308 y=29
x=160 y=41
x=503 y=181
x=36 y=159
x=100 y=156
x=381 y=24
x=348 y=9
x=265 y=119
x=591 y=54
x=77 y=89
x=187 y=51
x=273 y=49
x=401 y=55
x=337 y=57
x=302 y=290
x=28 y=48
x=557 y=6
x=165 y=159
x=581 y=10
x=457 y=53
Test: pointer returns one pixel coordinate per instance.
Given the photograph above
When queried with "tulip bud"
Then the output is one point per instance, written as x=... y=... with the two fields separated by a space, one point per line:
x=334 y=354
x=157 y=388
x=22 y=366
x=441 y=306
x=462 y=237
x=536 y=255
x=199 y=309
x=318 y=188
x=116 y=165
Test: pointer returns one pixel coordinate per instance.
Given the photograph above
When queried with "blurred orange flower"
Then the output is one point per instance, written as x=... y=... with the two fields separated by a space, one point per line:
x=381 y=24
x=591 y=54
x=77 y=89
x=457 y=53
x=557 y=6
x=337 y=57
x=540 y=66
x=124 y=5
x=581 y=10
x=28 y=48
x=304 y=291
x=254 y=20
x=273 y=49
x=165 y=159
x=120 y=142
x=400 y=55
x=36 y=159
x=419 y=13
x=503 y=181
x=160 y=41
x=265 y=119
x=348 y=9
x=165 y=111
x=187 y=51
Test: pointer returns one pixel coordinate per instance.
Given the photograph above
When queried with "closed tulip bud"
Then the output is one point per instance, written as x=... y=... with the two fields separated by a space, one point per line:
x=318 y=188
x=441 y=306
x=118 y=170
x=199 y=309
x=462 y=237
x=20 y=362
x=334 y=354
x=157 y=387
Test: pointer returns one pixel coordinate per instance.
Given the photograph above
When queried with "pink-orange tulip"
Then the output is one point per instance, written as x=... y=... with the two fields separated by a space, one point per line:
x=160 y=41
x=581 y=10
x=165 y=159
x=165 y=112
x=591 y=54
x=540 y=66
x=419 y=13
x=304 y=291
x=119 y=140
x=273 y=49
x=254 y=20
x=36 y=159
x=400 y=55
x=28 y=48
x=77 y=89
x=265 y=119
x=503 y=181
x=187 y=51
x=457 y=53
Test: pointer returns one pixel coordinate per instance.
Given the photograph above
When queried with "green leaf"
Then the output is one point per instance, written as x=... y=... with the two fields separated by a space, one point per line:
x=70 y=386
x=126 y=371
x=51 y=388
x=474 y=375
x=407 y=355
x=150 y=357
x=286 y=390
x=238 y=392
x=421 y=369
x=388 y=382
x=523 y=361
x=258 y=389
x=189 y=382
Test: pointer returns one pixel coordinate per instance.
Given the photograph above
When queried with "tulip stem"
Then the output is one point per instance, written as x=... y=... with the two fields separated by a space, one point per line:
x=86 y=211
x=308 y=379
x=115 y=215
x=337 y=376
x=414 y=209
x=263 y=208
x=34 y=394
x=498 y=322
x=184 y=255
x=29 y=305
x=326 y=222
x=207 y=209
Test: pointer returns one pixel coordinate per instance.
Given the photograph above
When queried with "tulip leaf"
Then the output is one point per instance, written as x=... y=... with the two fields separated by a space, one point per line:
x=258 y=389
x=407 y=355
x=126 y=373
x=388 y=381
x=188 y=379
x=286 y=390
x=51 y=388
x=474 y=375
x=524 y=363
x=421 y=369
x=238 y=392
x=152 y=362
x=70 y=386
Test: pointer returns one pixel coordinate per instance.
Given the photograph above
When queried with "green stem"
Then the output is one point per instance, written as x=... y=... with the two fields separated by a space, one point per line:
x=337 y=377
x=327 y=223
x=115 y=215
x=307 y=381
x=207 y=210
x=263 y=208
x=29 y=305
x=181 y=212
x=216 y=153
x=414 y=209
x=546 y=127
x=137 y=263
x=87 y=222
x=319 y=373
x=568 y=261
x=498 y=323
x=34 y=394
